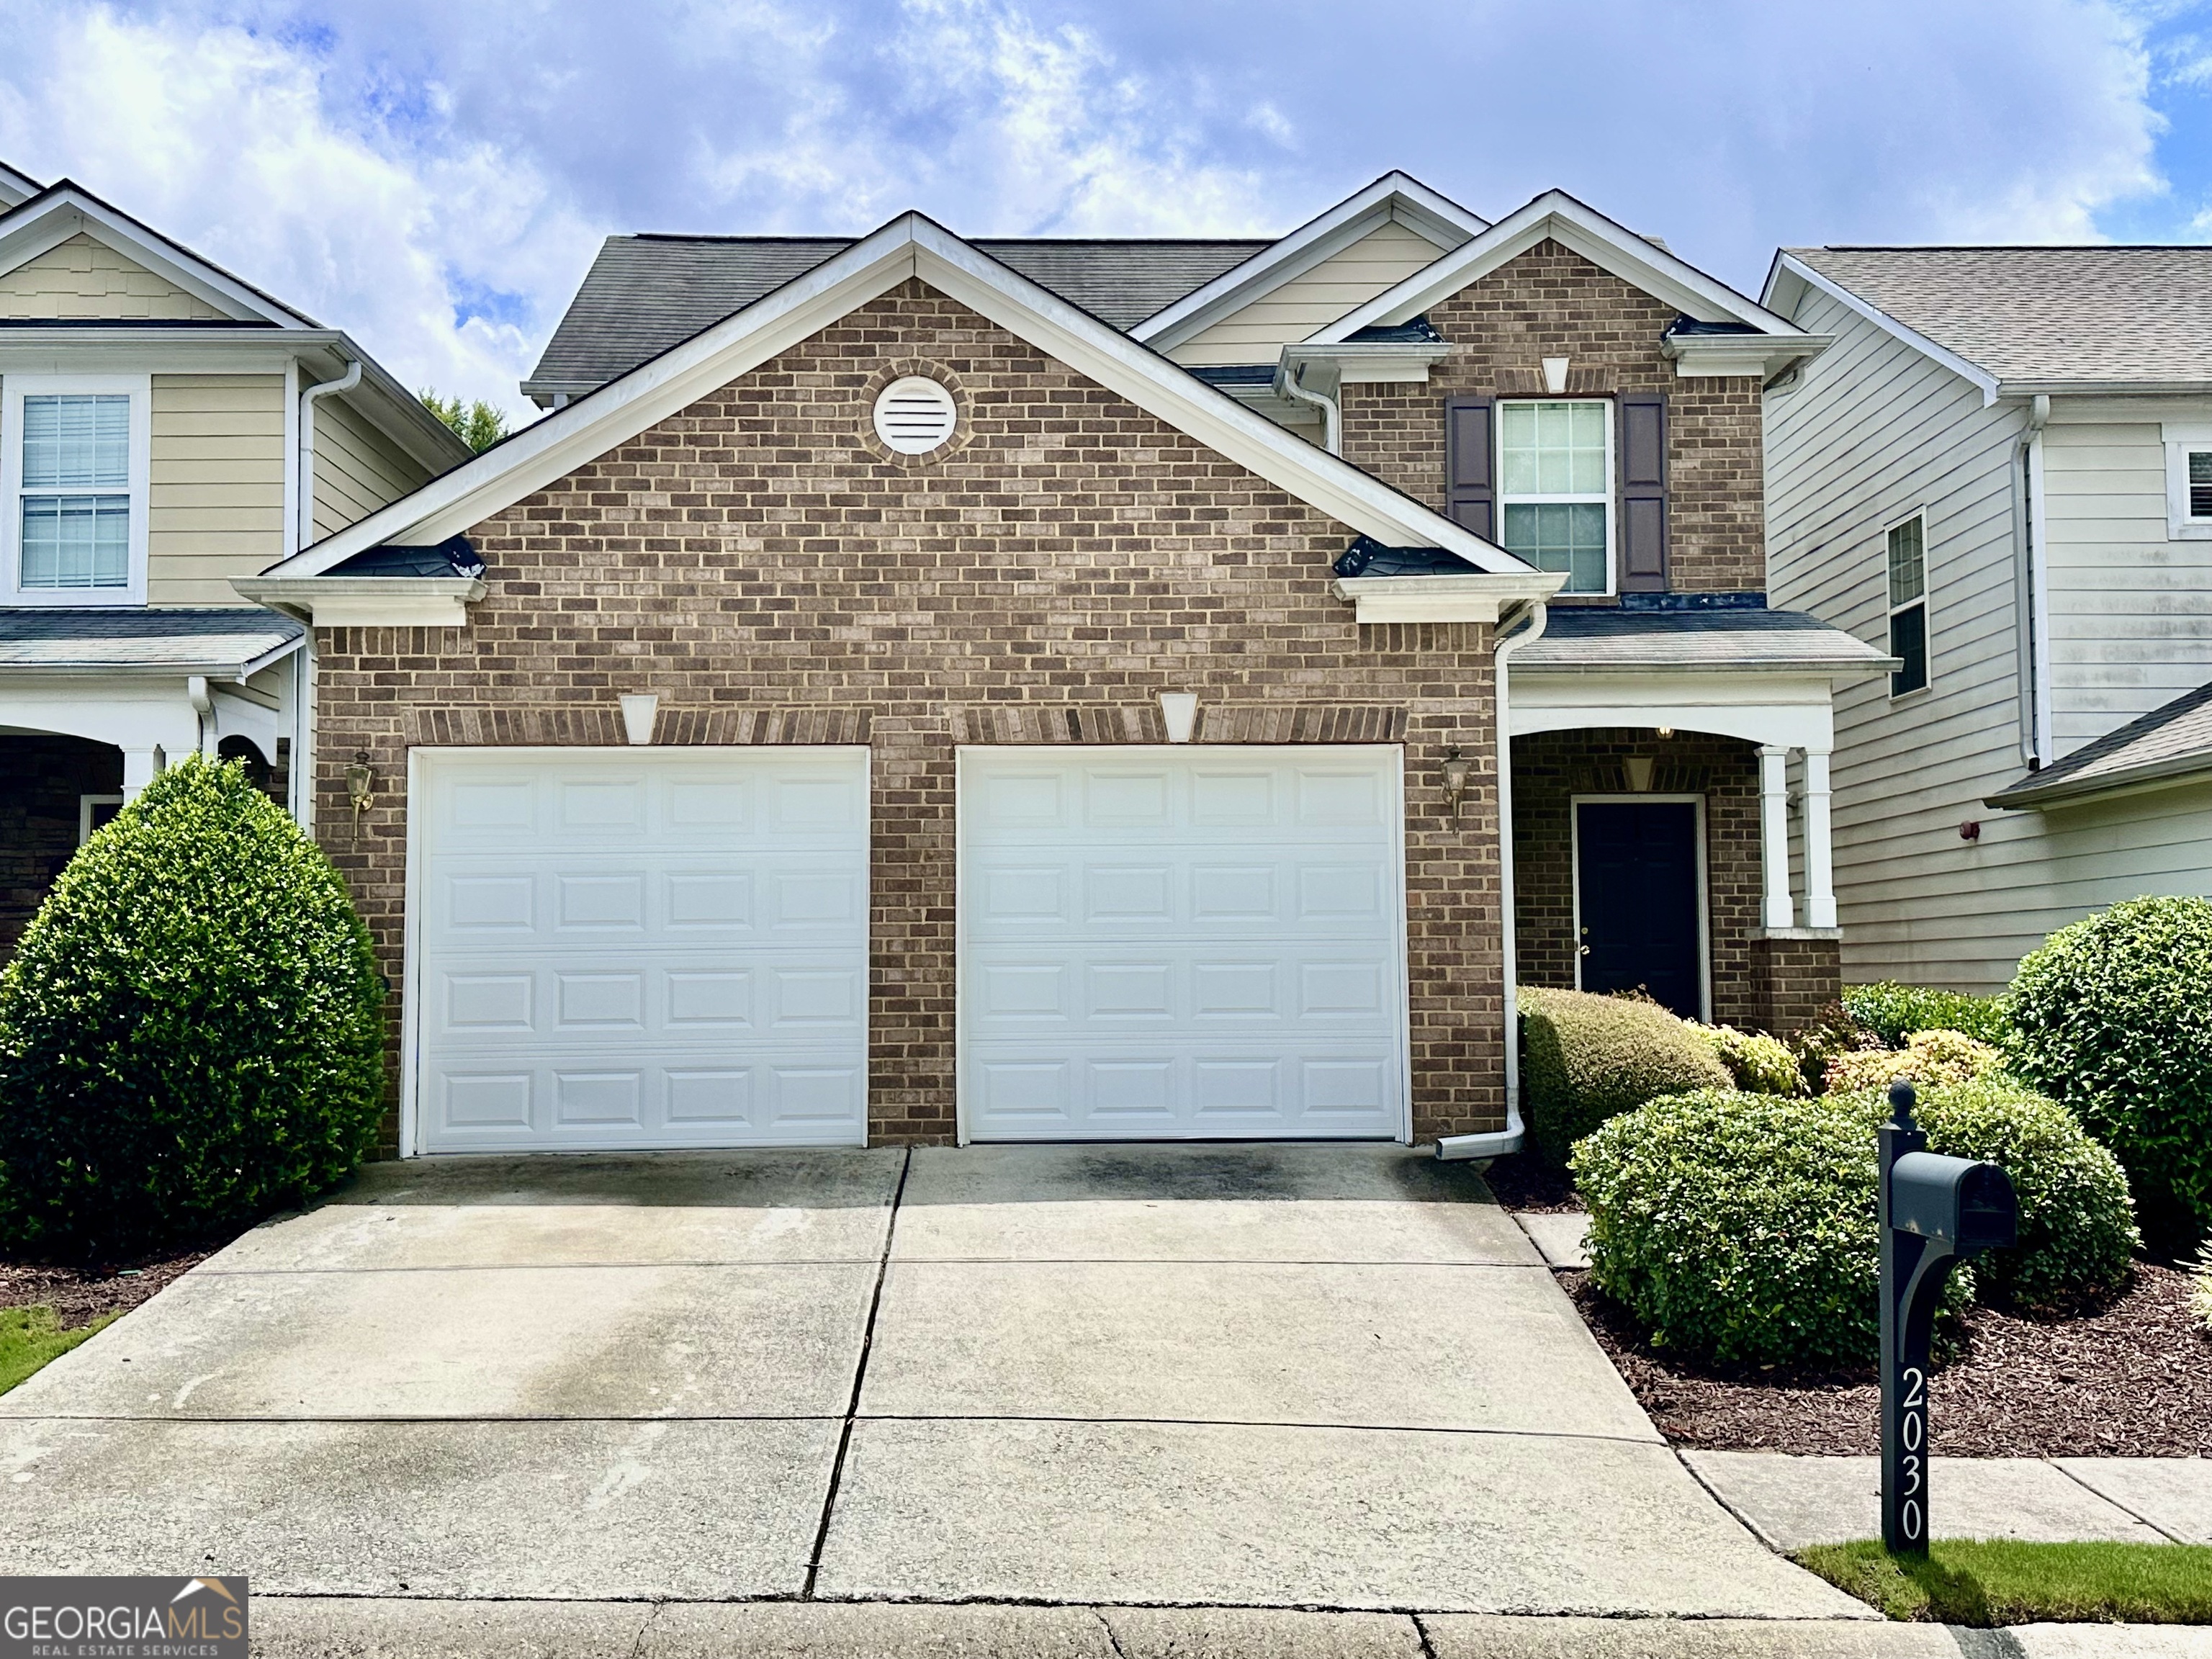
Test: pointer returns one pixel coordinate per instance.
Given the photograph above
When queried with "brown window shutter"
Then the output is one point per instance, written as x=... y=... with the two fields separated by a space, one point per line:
x=1470 y=464
x=1643 y=492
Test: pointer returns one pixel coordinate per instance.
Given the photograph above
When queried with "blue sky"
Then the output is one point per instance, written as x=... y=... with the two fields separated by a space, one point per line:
x=434 y=178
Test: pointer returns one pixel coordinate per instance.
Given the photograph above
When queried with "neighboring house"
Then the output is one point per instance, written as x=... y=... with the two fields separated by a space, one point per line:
x=2003 y=472
x=163 y=429
x=920 y=689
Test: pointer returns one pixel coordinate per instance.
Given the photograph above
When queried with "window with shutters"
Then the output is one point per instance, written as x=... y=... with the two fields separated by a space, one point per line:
x=1908 y=606
x=2188 y=482
x=1555 y=487
x=73 y=478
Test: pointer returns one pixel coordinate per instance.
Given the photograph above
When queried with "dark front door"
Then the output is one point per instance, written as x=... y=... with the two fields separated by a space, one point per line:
x=1638 y=899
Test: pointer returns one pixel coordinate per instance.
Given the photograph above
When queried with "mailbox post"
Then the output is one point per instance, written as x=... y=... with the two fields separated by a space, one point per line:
x=1936 y=1212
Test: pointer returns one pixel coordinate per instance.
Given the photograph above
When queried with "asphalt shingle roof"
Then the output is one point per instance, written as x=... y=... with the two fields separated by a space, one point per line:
x=2174 y=738
x=36 y=637
x=2089 y=315
x=646 y=293
x=1580 y=637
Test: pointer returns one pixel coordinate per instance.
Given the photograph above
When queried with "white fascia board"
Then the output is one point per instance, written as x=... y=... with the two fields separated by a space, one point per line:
x=909 y=245
x=1395 y=196
x=1557 y=216
x=1762 y=354
x=1469 y=599
x=48 y=219
x=1786 y=268
x=397 y=412
x=16 y=188
x=367 y=601
x=1365 y=362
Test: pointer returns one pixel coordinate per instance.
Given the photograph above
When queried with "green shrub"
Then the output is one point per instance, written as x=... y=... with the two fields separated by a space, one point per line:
x=2077 y=1228
x=1931 y=1059
x=1832 y=1033
x=1739 y=1228
x=1587 y=1057
x=2113 y=1016
x=1893 y=1013
x=1761 y=1064
x=191 y=1030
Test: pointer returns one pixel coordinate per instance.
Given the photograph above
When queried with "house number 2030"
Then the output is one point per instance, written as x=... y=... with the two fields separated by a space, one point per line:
x=1912 y=1435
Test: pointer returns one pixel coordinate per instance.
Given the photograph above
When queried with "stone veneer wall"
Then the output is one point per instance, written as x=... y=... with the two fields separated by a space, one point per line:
x=1552 y=302
x=762 y=563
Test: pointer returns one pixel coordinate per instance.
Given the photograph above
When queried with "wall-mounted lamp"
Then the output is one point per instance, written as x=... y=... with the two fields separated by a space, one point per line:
x=639 y=709
x=1179 y=712
x=1666 y=730
x=361 y=785
x=1458 y=773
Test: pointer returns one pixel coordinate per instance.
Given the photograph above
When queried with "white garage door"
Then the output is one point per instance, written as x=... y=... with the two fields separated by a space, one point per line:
x=1182 y=942
x=639 y=948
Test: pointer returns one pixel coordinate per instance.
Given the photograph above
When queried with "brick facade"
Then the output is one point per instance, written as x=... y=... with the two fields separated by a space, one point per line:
x=1798 y=975
x=41 y=779
x=762 y=563
x=1552 y=302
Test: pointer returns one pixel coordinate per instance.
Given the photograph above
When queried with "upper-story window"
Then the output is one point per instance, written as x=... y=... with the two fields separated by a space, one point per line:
x=2188 y=481
x=1555 y=487
x=73 y=474
x=1908 y=605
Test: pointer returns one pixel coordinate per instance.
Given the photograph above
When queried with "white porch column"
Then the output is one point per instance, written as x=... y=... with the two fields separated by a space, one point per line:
x=1820 y=878
x=140 y=767
x=1778 y=911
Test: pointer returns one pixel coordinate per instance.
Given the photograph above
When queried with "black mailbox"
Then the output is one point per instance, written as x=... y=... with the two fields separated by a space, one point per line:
x=1968 y=1205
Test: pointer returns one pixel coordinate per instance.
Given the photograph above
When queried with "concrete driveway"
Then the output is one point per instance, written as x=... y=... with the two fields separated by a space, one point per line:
x=1233 y=1376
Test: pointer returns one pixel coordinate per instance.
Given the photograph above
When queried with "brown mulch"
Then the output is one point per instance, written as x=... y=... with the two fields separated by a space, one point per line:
x=1525 y=1182
x=80 y=1294
x=2132 y=1380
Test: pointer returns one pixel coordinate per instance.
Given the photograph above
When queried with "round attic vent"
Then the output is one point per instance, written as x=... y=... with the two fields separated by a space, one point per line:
x=913 y=415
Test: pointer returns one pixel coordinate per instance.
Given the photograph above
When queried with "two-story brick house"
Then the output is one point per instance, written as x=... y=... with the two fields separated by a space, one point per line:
x=918 y=689
x=164 y=428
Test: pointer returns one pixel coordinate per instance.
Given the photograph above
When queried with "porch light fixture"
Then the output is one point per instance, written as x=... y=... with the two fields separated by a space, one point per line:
x=1666 y=732
x=361 y=785
x=1179 y=712
x=1458 y=773
x=639 y=709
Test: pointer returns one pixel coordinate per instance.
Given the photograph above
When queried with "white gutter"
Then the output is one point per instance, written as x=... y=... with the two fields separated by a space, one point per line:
x=1286 y=382
x=2038 y=746
x=345 y=382
x=1500 y=1142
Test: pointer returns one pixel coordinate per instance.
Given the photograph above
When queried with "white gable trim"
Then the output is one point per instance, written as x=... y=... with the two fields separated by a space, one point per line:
x=46 y=221
x=16 y=188
x=1786 y=268
x=1395 y=196
x=1557 y=216
x=909 y=245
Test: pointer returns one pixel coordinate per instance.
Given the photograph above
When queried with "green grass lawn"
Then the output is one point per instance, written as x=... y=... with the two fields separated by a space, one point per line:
x=29 y=1338
x=2001 y=1582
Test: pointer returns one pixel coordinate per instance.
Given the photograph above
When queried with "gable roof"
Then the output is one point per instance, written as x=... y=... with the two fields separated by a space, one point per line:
x=2028 y=318
x=65 y=209
x=1558 y=216
x=16 y=187
x=2171 y=743
x=1395 y=196
x=645 y=294
x=909 y=245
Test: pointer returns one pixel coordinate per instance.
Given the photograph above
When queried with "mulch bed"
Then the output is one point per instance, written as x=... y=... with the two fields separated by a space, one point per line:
x=1525 y=1182
x=80 y=1294
x=2131 y=1380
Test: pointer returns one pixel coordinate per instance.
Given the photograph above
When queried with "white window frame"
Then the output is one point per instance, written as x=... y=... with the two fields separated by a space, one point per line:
x=86 y=804
x=14 y=388
x=1610 y=497
x=1926 y=602
x=2181 y=438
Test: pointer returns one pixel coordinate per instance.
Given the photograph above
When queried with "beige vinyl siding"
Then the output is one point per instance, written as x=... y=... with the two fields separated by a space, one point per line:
x=1876 y=431
x=1382 y=258
x=2130 y=612
x=357 y=468
x=215 y=506
x=84 y=279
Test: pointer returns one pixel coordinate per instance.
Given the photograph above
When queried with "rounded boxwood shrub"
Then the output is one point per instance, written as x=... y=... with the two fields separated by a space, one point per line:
x=2077 y=1228
x=1586 y=1058
x=191 y=1031
x=2113 y=1016
x=1761 y=1064
x=1929 y=1058
x=1893 y=1013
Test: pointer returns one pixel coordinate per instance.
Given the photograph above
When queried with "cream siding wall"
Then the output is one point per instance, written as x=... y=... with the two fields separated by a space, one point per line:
x=357 y=468
x=2130 y=612
x=1382 y=258
x=216 y=497
x=83 y=280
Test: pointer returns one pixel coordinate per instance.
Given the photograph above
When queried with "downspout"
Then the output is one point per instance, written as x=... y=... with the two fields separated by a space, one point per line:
x=196 y=693
x=1507 y=1139
x=2038 y=598
x=345 y=382
x=1287 y=383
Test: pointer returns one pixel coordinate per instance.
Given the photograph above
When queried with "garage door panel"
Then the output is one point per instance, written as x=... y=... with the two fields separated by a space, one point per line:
x=638 y=950
x=1226 y=1090
x=1308 y=896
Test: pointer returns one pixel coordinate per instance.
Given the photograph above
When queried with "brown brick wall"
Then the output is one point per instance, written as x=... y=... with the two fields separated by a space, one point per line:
x=40 y=779
x=1553 y=302
x=1798 y=977
x=1067 y=558
x=1550 y=769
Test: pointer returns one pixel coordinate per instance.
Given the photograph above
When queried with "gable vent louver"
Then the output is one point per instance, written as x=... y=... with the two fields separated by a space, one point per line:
x=913 y=415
